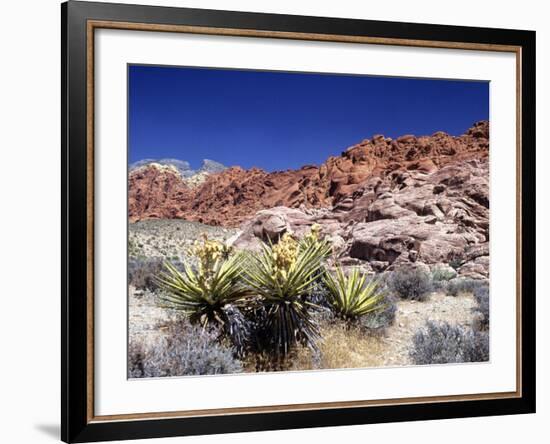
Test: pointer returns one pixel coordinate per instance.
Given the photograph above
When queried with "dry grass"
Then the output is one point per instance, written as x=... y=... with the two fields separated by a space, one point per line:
x=341 y=347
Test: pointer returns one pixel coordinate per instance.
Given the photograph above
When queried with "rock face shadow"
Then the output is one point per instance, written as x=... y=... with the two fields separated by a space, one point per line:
x=51 y=430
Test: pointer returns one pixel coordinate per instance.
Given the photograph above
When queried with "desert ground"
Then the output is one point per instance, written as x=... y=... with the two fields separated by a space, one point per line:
x=387 y=343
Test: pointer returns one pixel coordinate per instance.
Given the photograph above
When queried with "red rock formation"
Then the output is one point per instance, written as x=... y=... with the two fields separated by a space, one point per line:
x=404 y=218
x=234 y=195
x=155 y=192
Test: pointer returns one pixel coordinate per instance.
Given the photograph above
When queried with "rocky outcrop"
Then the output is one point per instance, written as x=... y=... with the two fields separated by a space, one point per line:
x=383 y=203
x=155 y=191
x=427 y=218
x=160 y=189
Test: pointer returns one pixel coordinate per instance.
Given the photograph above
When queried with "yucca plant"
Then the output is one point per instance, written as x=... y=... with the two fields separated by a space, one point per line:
x=281 y=275
x=352 y=296
x=209 y=293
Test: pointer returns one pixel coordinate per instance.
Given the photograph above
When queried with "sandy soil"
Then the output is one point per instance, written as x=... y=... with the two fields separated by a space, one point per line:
x=412 y=315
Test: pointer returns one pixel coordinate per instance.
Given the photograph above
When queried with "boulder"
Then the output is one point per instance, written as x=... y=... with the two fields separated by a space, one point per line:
x=270 y=225
x=474 y=270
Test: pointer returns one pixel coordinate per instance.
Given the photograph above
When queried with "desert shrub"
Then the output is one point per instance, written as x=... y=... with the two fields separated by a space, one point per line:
x=183 y=350
x=202 y=293
x=481 y=295
x=352 y=296
x=142 y=272
x=439 y=286
x=133 y=248
x=442 y=274
x=463 y=285
x=410 y=283
x=378 y=320
x=442 y=343
x=282 y=276
x=440 y=277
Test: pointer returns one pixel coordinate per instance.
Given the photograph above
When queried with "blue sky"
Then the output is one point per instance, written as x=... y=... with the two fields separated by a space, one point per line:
x=281 y=120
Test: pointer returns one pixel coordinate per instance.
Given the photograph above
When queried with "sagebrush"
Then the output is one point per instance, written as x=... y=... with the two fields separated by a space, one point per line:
x=481 y=295
x=142 y=272
x=410 y=283
x=441 y=276
x=183 y=350
x=442 y=343
x=463 y=285
x=379 y=320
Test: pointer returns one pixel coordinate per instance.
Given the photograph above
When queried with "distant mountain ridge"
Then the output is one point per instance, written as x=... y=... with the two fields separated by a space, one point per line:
x=182 y=166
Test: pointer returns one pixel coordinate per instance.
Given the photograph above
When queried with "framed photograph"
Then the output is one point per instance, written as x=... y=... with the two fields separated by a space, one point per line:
x=276 y=221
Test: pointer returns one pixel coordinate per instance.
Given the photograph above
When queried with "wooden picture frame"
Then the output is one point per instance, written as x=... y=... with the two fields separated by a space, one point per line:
x=79 y=22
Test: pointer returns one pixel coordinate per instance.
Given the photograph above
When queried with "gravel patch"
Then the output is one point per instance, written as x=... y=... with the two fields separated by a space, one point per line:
x=412 y=315
x=146 y=318
x=170 y=238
